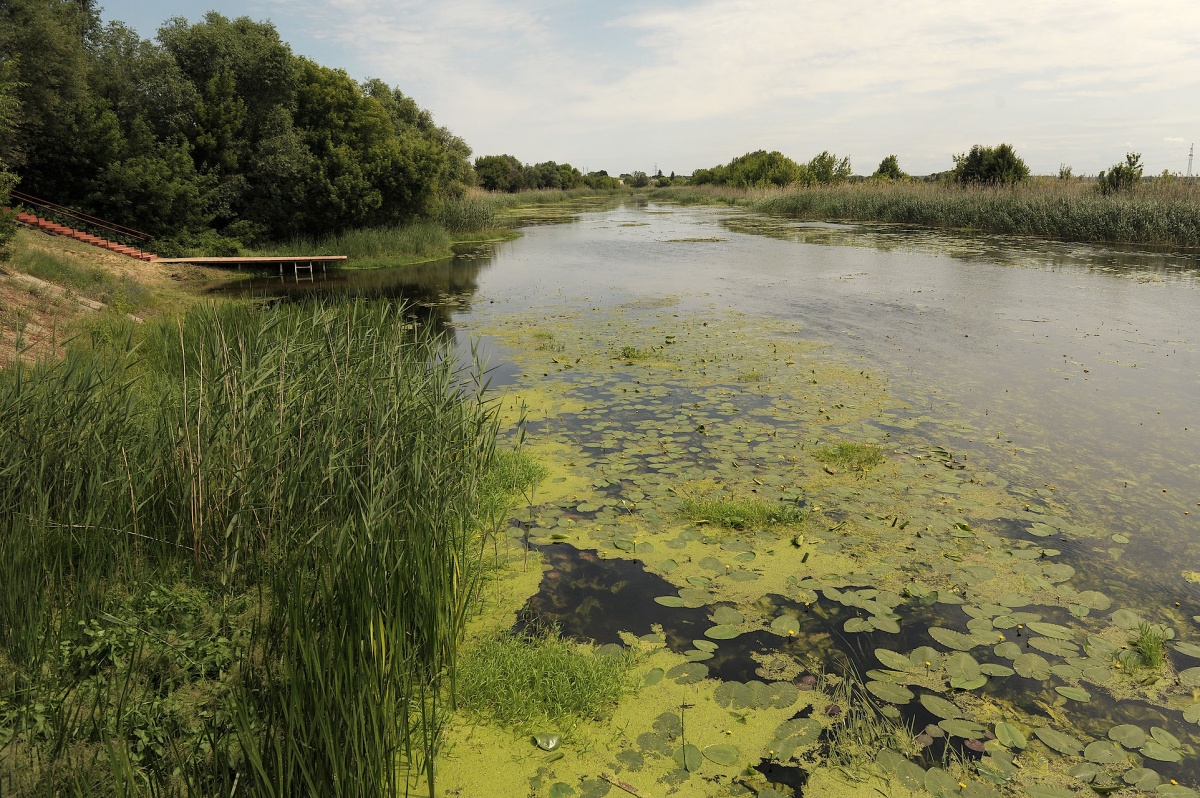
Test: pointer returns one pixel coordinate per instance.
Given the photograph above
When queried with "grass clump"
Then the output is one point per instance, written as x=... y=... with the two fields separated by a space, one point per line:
x=633 y=353
x=520 y=680
x=850 y=456
x=739 y=514
x=1148 y=647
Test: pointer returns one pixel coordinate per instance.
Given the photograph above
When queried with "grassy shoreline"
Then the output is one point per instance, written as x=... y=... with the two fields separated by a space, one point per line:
x=1160 y=214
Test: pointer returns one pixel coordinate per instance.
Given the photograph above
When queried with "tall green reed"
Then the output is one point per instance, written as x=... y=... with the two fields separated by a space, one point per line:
x=328 y=466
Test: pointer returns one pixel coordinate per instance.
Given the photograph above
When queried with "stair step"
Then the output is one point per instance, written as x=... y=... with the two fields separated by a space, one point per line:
x=49 y=226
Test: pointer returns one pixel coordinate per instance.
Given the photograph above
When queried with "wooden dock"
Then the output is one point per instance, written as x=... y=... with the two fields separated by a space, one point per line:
x=297 y=263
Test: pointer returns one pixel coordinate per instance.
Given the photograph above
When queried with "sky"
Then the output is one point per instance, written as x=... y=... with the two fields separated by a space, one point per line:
x=677 y=85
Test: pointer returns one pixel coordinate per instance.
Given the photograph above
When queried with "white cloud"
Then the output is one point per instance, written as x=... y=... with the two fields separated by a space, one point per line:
x=1175 y=139
x=708 y=79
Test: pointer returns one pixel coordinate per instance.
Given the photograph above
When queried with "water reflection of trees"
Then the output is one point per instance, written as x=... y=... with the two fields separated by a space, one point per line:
x=432 y=291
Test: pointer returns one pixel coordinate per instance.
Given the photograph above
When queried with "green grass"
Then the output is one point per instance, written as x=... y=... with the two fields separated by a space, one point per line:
x=122 y=294
x=739 y=513
x=1160 y=213
x=241 y=547
x=521 y=681
x=1149 y=646
x=850 y=456
x=633 y=353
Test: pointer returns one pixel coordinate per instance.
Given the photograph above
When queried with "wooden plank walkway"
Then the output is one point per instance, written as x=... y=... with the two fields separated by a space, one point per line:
x=296 y=262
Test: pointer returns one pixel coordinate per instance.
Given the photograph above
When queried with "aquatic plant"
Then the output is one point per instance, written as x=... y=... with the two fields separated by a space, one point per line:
x=739 y=513
x=850 y=456
x=1150 y=645
x=241 y=548
x=519 y=680
x=633 y=353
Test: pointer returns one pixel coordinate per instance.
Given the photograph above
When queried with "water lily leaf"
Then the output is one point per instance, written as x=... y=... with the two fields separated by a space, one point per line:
x=1190 y=677
x=1032 y=666
x=1190 y=649
x=705 y=645
x=940 y=706
x=925 y=654
x=1142 y=778
x=694 y=595
x=799 y=732
x=1066 y=672
x=961 y=664
x=1052 y=630
x=785 y=625
x=688 y=672
x=782 y=695
x=721 y=754
x=721 y=632
x=1176 y=791
x=1127 y=620
x=624 y=544
x=1156 y=750
x=743 y=576
x=727 y=616
x=547 y=741
x=1063 y=743
x=667 y=566
x=893 y=660
x=712 y=564
x=885 y=624
x=1192 y=714
x=952 y=639
x=962 y=728
x=1057 y=648
x=1005 y=621
x=910 y=774
x=1084 y=771
x=1094 y=599
x=688 y=757
x=858 y=625
x=670 y=601
x=1008 y=650
x=1010 y=735
x=992 y=669
x=1103 y=752
x=1041 y=530
x=1074 y=693
x=654 y=676
x=699 y=581
x=1127 y=735
x=561 y=789
x=1014 y=600
x=892 y=693
x=1164 y=737
x=940 y=783
x=698 y=655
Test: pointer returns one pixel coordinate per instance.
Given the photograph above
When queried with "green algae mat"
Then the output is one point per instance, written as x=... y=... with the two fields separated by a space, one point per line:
x=813 y=593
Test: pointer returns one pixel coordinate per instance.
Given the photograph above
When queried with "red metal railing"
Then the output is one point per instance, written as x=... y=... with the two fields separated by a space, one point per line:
x=83 y=221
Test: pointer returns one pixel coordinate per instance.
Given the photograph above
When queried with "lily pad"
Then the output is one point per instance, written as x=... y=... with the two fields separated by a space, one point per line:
x=1190 y=649
x=721 y=632
x=1103 y=752
x=1047 y=791
x=670 y=601
x=892 y=693
x=688 y=757
x=1176 y=791
x=727 y=616
x=1192 y=714
x=1057 y=648
x=1156 y=750
x=1010 y=735
x=654 y=676
x=721 y=754
x=952 y=639
x=967 y=729
x=1127 y=620
x=1190 y=677
x=941 y=707
x=1074 y=693
x=1052 y=630
x=1128 y=735
x=561 y=790
x=1164 y=737
x=1032 y=666
x=858 y=625
x=893 y=660
x=1142 y=778
x=940 y=783
x=688 y=672
x=992 y=669
x=1008 y=650
x=785 y=625
x=1063 y=743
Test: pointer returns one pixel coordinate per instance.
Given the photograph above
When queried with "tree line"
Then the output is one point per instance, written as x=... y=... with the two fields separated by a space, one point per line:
x=507 y=173
x=214 y=128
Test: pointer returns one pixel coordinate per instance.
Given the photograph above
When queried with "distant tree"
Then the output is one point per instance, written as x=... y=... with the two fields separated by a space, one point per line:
x=992 y=166
x=1065 y=173
x=759 y=169
x=663 y=181
x=889 y=169
x=826 y=168
x=601 y=180
x=639 y=180
x=9 y=108
x=1122 y=177
x=498 y=172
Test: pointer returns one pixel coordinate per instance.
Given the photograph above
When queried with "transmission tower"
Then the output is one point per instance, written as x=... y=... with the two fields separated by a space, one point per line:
x=1191 y=149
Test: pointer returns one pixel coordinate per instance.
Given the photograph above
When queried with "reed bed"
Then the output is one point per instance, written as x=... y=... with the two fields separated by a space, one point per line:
x=239 y=554
x=1158 y=213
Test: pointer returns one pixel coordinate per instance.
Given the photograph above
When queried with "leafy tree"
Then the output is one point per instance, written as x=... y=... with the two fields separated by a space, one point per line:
x=600 y=180
x=889 y=169
x=992 y=166
x=1122 y=177
x=826 y=168
x=498 y=172
x=1065 y=173
x=639 y=180
x=9 y=109
x=762 y=168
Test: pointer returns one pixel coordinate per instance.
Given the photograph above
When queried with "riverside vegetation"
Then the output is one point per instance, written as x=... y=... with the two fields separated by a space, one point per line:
x=241 y=547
